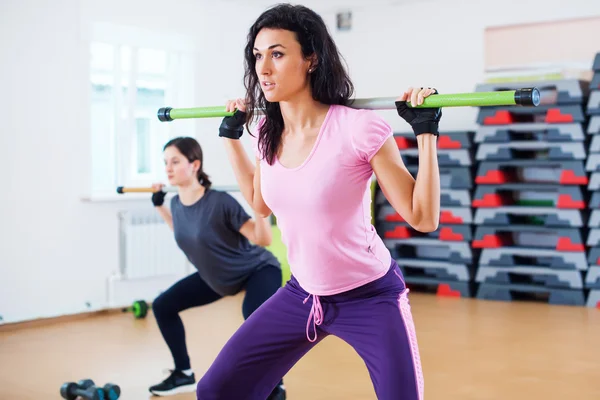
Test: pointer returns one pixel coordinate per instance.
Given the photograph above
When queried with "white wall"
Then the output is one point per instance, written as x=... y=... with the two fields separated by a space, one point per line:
x=437 y=43
x=57 y=250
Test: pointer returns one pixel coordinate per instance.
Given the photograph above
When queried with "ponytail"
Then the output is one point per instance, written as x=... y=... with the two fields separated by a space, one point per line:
x=204 y=179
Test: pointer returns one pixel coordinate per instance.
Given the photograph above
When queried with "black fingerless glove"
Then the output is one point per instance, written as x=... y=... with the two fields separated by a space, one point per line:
x=233 y=127
x=158 y=198
x=422 y=120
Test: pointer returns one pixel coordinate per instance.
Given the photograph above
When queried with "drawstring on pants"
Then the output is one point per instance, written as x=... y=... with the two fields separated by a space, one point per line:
x=316 y=314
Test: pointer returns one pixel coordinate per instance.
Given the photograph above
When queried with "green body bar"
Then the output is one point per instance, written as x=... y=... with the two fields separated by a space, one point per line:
x=199 y=112
x=519 y=97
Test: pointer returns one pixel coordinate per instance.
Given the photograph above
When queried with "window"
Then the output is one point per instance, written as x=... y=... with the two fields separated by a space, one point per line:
x=132 y=74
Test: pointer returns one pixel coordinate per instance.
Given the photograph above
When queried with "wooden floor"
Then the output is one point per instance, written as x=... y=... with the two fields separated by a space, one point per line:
x=471 y=350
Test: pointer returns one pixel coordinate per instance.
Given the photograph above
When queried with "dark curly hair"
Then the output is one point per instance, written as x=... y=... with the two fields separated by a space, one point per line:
x=330 y=82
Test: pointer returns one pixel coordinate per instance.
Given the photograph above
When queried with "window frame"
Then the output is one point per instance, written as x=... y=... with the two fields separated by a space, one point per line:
x=122 y=154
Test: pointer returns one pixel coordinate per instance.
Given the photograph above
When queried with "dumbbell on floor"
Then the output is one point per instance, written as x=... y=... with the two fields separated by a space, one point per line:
x=86 y=389
x=139 y=308
x=112 y=391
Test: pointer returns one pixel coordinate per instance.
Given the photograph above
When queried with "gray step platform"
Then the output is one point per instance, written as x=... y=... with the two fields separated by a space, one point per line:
x=455 y=198
x=532 y=171
x=537 y=276
x=546 y=114
x=592 y=278
x=559 y=91
x=527 y=256
x=448 y=215
x=449 y=158
x=446 y=140
x=529 y=194
x=594 y=125
x=442 y=288
x=593 y=162
x=540 y=216
x=401 y=230
x=430 y=249
x=594 y=201
x=440 y=270
x=562 y=239
x=594 y=146
x=594 y=221
x=531 y=150
x=595 y=84
x=536 y=131
x=593 y=299
x=448 y=197
x=593 y=238
x=555 y=296
x=593 y=105
x=593 y=257
x=594 y=181
x=450 y=177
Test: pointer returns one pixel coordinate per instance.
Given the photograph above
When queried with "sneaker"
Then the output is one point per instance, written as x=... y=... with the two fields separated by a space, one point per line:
x=177 y=382
x=278 y=393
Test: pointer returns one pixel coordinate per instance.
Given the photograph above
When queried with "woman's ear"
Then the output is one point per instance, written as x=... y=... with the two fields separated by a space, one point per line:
x=196 y=165
x=313 y=62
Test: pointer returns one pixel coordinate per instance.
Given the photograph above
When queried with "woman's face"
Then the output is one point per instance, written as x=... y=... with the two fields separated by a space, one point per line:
x=281 y=67
x=179 y=170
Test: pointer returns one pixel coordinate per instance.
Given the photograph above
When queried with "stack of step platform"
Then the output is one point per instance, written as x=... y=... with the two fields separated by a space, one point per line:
x=530 y=199
x=440 y=261
x=592 y=280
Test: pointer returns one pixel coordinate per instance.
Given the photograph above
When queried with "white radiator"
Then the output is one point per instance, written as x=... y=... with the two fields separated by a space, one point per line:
x=147 y=247
x=149 y=259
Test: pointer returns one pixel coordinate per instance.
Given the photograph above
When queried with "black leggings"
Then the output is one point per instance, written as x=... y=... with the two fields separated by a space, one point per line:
x=192 y=291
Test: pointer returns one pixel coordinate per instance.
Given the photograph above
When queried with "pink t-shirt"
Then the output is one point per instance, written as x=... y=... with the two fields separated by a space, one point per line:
x=323 y=207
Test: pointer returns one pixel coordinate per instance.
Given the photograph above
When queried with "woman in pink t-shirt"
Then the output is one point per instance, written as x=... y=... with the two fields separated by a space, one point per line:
x=315 y=157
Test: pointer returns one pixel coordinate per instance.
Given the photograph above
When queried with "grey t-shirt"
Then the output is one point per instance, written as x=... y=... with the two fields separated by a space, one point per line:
x=208 y=234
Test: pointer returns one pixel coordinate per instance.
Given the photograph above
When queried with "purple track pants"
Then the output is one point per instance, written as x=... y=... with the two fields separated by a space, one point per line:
x=375 y=319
